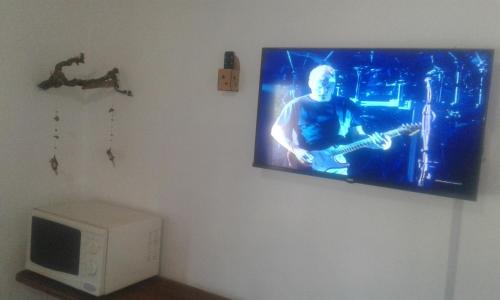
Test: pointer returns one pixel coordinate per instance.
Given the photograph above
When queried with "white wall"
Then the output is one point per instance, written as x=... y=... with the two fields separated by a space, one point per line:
x=185 y=150
x=34 y=35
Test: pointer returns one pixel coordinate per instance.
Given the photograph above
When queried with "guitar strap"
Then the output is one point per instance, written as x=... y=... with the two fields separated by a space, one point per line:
x=345 y=117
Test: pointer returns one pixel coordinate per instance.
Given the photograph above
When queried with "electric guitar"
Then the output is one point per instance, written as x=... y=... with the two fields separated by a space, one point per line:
x=331 y=159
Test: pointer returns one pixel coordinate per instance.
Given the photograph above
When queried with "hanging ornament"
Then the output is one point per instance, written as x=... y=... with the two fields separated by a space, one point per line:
x=54 y=164
x=111 y=157
x=109 y=152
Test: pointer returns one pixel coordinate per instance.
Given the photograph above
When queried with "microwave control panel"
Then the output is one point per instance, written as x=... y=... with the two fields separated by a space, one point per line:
x=92 y=255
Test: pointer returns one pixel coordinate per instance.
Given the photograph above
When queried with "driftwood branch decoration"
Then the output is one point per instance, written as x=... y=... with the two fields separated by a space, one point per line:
x=58 y=79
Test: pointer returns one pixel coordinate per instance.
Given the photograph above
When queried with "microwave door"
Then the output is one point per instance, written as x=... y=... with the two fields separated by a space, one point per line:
x=55 y=246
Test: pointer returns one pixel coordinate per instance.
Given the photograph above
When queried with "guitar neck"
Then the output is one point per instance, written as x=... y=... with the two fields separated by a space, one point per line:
x=364 y=143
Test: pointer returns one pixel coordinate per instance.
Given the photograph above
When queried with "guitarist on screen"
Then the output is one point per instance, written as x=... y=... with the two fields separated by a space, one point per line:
x=320 y=121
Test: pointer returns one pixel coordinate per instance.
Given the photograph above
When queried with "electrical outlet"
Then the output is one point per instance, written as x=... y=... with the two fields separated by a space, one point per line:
x=228 y=80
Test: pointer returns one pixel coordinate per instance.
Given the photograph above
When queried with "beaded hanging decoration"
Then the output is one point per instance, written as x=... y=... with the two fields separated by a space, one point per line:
x=58 y=79
x=54 y=164
x=109 y=152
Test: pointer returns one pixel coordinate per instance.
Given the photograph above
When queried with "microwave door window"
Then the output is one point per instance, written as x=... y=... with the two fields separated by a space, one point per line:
x=55 y=246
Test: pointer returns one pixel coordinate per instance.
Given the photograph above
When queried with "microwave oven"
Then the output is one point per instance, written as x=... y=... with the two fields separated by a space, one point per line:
x=94 y=246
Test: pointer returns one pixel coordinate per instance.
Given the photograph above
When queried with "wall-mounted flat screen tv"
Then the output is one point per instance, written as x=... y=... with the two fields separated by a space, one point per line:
x=410 y=119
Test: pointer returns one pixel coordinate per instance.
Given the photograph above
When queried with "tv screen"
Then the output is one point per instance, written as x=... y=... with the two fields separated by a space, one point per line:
x=410 y=119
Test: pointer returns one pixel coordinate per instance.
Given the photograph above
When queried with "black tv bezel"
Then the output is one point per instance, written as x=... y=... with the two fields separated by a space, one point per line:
x=472 y=196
